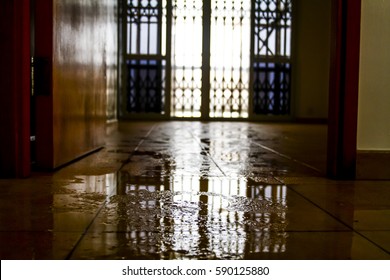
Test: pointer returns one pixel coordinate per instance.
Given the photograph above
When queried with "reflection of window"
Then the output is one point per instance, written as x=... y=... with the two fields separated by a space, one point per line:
x=202 y=218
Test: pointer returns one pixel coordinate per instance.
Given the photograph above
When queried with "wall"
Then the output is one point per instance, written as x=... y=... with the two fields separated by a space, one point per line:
x=14 y=88
x=311 y=61
x=71 y=120
x=373 y=136
x=374 y=87
x=84 y=67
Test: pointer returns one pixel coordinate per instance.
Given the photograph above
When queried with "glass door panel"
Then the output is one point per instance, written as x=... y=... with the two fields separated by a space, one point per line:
x=187 y=40
x=230 y=58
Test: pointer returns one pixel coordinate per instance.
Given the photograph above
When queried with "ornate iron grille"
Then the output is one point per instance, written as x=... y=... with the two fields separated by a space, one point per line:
x=272 y=88
x=145 y=86
x=144 y=27
x=187 y=38
x=145 y=61
x=229 y=62
x=271 y=56
x=172 y=67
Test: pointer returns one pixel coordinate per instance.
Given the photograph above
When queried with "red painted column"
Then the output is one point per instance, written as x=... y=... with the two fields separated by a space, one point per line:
x=15 y=88
x=344 y=88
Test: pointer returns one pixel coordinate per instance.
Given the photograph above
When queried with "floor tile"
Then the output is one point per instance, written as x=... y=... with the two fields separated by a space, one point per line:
x=326 y=246
x=381 y=238
x=28 y=245
x=361 y=205
x=292 y=245
x=197 y=190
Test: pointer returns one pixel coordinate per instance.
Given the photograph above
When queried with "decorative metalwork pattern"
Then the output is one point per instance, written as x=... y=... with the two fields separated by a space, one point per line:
x=145 y=86
x=143 y=26
x=230 y=55
x=272 y=27
x=272 y=88
x=187 y=38
x=231 y=69
x=145 y=61
x=272 y=52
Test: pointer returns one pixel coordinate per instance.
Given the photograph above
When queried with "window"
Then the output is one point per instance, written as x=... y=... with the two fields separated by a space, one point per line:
x=207 y=59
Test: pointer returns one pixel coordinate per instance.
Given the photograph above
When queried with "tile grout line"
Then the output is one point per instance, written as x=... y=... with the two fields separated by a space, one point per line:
x=334 y=217
x=312 y=202
x=69 y=255
x=136 y=148
x=286 y=156
x=208 y=154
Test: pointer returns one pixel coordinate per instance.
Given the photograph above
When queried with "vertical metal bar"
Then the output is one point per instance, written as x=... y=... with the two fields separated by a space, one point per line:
x=240 y=88
x=251 y=65
x=160 y=70
x=293 y=42
x=124 y=97
x=139 y=29
x=277 y=65
x=149 y=22
x=278 y=15
x=285 y=35
x=205 y=107
x=159 y=26
x=231 y=86
x=168 y=56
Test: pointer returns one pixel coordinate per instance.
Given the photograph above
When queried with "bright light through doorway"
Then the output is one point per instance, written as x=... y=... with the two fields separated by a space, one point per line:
x=229 y=61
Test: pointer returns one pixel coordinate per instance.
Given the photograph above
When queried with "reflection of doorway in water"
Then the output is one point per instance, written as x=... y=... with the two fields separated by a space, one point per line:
x=189 y=217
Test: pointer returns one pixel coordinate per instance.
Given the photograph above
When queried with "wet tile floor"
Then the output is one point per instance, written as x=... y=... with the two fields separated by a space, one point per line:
x=193 y=190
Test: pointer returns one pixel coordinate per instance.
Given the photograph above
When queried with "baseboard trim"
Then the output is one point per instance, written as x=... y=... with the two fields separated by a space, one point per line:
x=372 y=165
x=311 y=120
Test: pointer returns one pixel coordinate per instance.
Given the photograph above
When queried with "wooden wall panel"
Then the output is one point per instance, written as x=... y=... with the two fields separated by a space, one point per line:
x=75 y=123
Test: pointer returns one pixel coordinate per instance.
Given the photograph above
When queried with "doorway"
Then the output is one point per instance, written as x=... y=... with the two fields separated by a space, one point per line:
x=206 y=59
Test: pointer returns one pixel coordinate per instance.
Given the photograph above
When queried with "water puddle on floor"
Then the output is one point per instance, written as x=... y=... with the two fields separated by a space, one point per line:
x=190 y=217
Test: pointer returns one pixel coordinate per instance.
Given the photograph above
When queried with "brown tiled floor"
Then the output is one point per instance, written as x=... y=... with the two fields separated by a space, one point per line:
x=192 y=190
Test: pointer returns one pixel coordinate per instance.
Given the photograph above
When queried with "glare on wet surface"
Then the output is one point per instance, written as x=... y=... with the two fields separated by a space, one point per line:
x=189 y=217
x=191 y=190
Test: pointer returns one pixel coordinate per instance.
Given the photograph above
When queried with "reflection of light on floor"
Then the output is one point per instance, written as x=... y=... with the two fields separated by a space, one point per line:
x=193 y=217
x=184 y=216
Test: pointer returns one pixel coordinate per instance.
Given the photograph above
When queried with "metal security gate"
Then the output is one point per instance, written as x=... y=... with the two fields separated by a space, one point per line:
x=271 y=57
x=144 y=58
x=206 y=59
